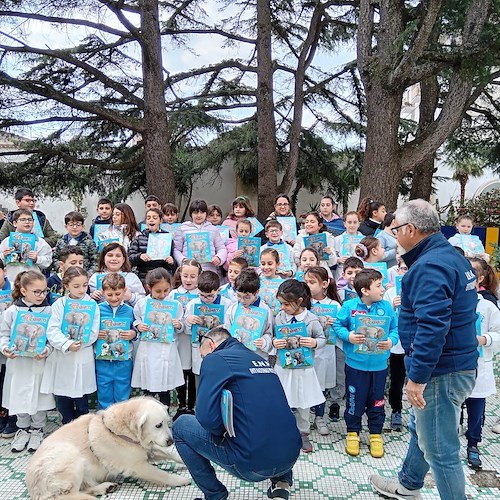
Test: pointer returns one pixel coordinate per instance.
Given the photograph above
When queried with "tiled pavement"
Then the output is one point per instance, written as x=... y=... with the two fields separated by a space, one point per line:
x=327 y=473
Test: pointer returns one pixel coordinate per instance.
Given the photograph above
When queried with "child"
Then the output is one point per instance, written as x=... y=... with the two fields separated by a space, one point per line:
x=464 y=225
x=388 y=240
x=104 y=213
x=76 y=236
x=301 y=386
x=269 y=278
x=124 y=226
x=243 y=228
x=113 y=259
x=242 y=209
x=486 y=278
x=137 y=251
x=247 y=286
x=150 y=202
x=113 y=377
x=68 y=257
x=274 y=234
x=157 y=366
x=314 y=225
x=21 y=391
x=365 y=375
x=372 y=213
x=352 y=222
x=352 y=266
x=234 y=270
x=70 y=370
x=331 y=220
x=209 y=287
x=170 y=213
x=214 y=215
x=369 y=249
x=41 y=255
x=324 y=291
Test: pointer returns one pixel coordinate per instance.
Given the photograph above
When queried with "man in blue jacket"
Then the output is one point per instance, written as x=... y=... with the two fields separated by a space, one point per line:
x=437 y=330
x=267 y=442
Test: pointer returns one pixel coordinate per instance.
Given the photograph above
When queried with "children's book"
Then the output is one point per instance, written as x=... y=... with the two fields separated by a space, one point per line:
x=226 y=409
x=285 y=263
x=479 y=320
x=99 y=277
x=382 y=268
x=375 y=329
x=78 y=317
x=349 y=242
x=294 y=356
x=113 y=347
x=184 y=298
x=299 y=275
x=471 y=245
x=224 y=233
x=268 y=290
x=23 y=244
x=317 y=242
x=158 y=315
x=325 y=311
x=248 y=325
x=198 y=247
x=29 y=333
x=159 y=245
x=349 y=294
x=5 y=299
x=251 y=249
x=212 y=315
x=37 y=228
x=171 y=228
x=397 y=282
x=257 y=227
x=98 y=230
x=289 y=225
x=106 y=241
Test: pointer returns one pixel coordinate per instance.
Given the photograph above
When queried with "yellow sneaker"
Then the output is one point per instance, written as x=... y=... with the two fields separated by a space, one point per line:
x=352 y=444
x=376 y=446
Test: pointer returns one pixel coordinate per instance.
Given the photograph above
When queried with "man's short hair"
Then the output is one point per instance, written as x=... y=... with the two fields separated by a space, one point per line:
x=113 y=281
x=271 y=224
x=22 y=192
x=208 y=281
x=420 y=214
x=365 y=278
x=217 y=334
x=247 y=281
x=69 y=250
x=74 y=217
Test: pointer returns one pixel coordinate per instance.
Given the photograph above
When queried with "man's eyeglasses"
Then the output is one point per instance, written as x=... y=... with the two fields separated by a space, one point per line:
x=74 y=224
x=39 y=293
x=25 y=219
x=201 y=337
x=395 y=229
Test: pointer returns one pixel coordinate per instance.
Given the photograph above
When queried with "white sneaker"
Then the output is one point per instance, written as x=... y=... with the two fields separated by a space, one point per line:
x=36 y=438
x=496 y=427
x=20 y=440
x=392 y=488
x=320 y=424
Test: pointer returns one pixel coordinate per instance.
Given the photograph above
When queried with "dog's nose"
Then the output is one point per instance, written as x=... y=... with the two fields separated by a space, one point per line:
x=170 y=442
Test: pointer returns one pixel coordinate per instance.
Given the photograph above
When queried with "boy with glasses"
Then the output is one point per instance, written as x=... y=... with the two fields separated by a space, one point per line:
x=274 y=234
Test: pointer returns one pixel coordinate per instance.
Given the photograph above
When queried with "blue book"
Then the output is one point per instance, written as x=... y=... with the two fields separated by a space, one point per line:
x=78 y=317
x=251 y=249
x=375 y=329
x=226 y=409
x=268 y=291
x=184 y=298
x=248 y=325
x=289 y=225
x=159 y=245
x=471 y=245
x=106 y=241
x=349 y=242
x=257 y=227
x=317 y=242
x=382 y=268
x=212 y=315
x=29 y=336
x=479 y=320
x=5 y=299
x=397 y=282
x=158 y=315
x=299 y=275
x=325 y=311
x=224 y=232
x=198 y=247
x=37 y=228
x=23 y=244
x=349 y=294
x=171 y=228
x=113 y=348
x=294 y=356
x=285 y=263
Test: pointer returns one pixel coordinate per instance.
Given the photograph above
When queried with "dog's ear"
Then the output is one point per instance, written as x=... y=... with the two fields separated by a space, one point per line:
x=140 y=423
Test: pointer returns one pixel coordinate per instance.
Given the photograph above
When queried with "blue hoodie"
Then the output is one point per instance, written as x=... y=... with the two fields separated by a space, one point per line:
x=438 y=311
x=266 y=431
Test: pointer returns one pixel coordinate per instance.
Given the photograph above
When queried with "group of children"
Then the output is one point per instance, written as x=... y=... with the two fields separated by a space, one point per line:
x=326 y=293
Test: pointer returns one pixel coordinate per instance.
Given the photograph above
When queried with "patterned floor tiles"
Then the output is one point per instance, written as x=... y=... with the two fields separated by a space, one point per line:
x=326 y=474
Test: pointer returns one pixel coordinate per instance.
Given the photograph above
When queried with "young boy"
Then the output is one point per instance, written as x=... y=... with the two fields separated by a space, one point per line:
x=237 y=265
x=209 y=293
x=243 y=228
x=464 y=226
x=114 y=376
x=170 y=213
x=104 y=215
x=247 y=286
x=365 y=375
x=75 y=224
x=68 y=257
x=352 y=266
x=151 y=201
x=274 y=234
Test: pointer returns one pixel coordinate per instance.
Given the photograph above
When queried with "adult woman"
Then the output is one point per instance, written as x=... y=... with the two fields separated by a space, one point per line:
x=282 y=209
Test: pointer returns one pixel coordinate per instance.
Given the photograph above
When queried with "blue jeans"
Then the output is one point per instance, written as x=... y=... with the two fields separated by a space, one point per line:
x=434 y=439
x=198 y=448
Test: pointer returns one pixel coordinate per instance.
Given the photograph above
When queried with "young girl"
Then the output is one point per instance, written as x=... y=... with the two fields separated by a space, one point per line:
x=124 y=225
x=324 y=291
x=187 y=274
x=214 y=215
x=21 y=394
x=170 y=213
x=486 y=278
x=308 y=258
x=242 y=209
x=331 y=220
x=372 y=213
x=269 y=279
x=243 y=228
x=157 y=366
x=352 y=222
x=314 y=225
x=388 y=240
x=369 y=249
x=301 y=386
x=114 y=259
x=70 y=370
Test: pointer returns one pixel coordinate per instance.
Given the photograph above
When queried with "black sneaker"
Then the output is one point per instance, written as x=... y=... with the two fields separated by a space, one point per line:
x=474 y=457
x=279 y=490
x=11 y=427
x=334 y=412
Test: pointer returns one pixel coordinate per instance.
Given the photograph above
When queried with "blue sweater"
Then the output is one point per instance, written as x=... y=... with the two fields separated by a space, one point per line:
x=438 y=311
x=266 y=431
x=344 y=324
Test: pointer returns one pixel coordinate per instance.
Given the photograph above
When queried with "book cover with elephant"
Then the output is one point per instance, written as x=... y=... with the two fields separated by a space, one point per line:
x=184 y=298
x=158 y=315
x=285 y=262
x=268 y=291
x=294 y=356
x=159 y=245
x=78 y=317
x=212 y=315
x=375 y=329
x=22 y=244
x=323 y=312
x=113 y=347
x=5 y=299
x=250 y=246
x=349 y=242
x=198 y=247
x=248 y=325
x=29 y=333
x=289 y=225
x=317 y=242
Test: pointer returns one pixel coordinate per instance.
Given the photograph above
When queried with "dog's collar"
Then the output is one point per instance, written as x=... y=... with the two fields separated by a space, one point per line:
x=120 y=436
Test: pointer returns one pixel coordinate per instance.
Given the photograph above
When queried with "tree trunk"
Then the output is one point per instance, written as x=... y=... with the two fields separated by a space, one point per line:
x=464 y=178
x=159 y=175
x=266 y=126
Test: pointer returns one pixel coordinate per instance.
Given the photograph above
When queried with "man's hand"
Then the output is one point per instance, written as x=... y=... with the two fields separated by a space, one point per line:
x=415 y=394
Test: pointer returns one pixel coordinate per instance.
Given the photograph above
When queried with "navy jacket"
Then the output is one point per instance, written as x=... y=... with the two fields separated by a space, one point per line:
x=266 y=431
x=438 y=311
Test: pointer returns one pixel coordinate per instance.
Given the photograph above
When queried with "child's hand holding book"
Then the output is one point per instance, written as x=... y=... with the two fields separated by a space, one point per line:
x=279 y=343
x=356 y=338
x=75 y=346
x=308 y=342
x=384 y=345
x=42 y=355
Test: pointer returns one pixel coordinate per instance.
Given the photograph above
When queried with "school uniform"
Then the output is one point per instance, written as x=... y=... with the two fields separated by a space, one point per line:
x=300 y=245
x=229 y=292
x=132 y=282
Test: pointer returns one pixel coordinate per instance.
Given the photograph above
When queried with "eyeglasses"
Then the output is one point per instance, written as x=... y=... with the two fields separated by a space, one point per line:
x=271 y=231
x=395 y=229
x=25 y=219
x=74 y=224
x=39 y=293
x=201 y=337
x=282 y=204
x=208 y=296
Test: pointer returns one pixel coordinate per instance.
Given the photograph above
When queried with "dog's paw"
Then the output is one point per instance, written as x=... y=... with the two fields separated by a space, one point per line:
x=179 y=481
x=112 y=487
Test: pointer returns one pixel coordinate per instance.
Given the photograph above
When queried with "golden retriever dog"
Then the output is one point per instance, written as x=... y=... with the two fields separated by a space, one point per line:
x=81 y=459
